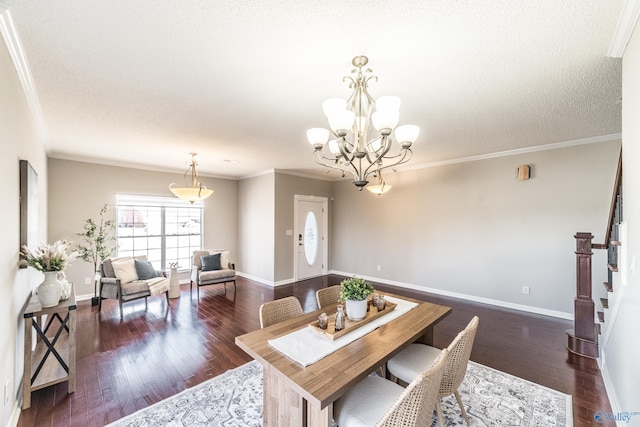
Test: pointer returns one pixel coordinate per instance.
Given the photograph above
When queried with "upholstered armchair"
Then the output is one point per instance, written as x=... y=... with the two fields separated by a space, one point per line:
x=210 y=267
x=130 y=278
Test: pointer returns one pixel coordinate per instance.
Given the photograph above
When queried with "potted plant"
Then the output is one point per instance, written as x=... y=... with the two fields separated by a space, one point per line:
x=354 y=293
x=97 y=245
x=51 y=260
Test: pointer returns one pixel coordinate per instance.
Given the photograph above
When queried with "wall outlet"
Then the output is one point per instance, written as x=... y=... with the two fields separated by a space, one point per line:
x=525 y=290
x=87 y=280
x=379 y=268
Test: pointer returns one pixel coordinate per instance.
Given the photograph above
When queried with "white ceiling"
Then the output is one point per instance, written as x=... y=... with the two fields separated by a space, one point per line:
x=145 y=82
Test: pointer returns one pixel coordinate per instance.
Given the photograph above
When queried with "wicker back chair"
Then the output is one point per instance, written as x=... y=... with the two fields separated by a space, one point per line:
x=328 y=296
x=407 y=364
x=279 y=310
x=377 y=401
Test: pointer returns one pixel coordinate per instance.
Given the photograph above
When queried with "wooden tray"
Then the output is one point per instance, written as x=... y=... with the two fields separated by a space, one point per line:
x=350 y=325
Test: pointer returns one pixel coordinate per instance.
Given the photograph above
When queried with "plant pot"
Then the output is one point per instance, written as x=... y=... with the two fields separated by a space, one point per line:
x=50 y=290
x=356 y=310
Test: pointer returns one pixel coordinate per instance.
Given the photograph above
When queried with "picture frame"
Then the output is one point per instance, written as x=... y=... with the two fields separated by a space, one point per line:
x=28 y=208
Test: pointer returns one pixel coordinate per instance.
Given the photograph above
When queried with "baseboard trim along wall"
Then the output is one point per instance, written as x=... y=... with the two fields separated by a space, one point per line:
x=611 y=391
x=490 y=301
x=255 y=279
x=498 y=303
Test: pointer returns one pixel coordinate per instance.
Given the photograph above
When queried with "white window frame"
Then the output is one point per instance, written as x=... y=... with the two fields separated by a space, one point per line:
x=165 y=205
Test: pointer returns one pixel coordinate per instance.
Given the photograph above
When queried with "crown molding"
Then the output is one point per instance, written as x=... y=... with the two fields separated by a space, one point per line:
x=134 y=165
x=624 y=28
x=128 y=165
x=554 y=146
x=14 y=46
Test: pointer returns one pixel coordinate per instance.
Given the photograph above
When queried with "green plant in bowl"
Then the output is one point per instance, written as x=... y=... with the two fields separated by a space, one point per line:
x=355 y=289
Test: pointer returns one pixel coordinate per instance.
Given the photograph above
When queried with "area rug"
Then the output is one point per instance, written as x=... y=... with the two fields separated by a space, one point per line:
x=234 y=399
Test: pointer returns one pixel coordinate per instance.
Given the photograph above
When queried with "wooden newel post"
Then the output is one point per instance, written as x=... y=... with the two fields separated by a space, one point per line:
x=582 y=339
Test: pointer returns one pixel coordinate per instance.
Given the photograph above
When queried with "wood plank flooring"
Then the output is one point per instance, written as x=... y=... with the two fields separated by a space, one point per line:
x=127 y=365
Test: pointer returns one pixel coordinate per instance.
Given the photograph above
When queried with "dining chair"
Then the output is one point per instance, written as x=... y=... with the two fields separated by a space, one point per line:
x=279 y=310
x=376 y=401
x=415 y=358
x=328 y=296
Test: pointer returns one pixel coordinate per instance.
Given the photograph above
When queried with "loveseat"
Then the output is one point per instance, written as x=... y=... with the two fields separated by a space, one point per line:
x=211 y=266
x=130 y=278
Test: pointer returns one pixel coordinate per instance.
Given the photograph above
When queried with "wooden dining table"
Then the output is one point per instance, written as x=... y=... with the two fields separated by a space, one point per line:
x=303 y=396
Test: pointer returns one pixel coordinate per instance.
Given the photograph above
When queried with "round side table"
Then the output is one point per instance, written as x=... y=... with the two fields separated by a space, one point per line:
x=174 y=284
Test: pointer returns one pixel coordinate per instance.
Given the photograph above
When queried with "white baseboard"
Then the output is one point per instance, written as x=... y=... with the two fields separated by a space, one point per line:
x=15 y=412
x=84 y=297
x=256 y=279
x=284 y=282
x=474 y=298
x=611 y=391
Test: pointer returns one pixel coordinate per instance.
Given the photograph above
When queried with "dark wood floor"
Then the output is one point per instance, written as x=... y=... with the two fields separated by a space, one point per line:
x=127 y=365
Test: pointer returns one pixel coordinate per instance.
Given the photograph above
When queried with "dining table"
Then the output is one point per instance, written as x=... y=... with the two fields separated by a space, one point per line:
x=296 y=394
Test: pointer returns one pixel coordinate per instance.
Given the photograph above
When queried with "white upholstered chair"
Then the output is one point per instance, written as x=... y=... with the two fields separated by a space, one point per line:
x=414 y=359
x=376 y=401
x=328 y=296
x=279 y=310
x=224 y=272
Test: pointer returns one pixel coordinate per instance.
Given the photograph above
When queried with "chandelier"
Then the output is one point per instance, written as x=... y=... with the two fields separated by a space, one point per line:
x=380 y=187
x=197 y=191
x=359 y=150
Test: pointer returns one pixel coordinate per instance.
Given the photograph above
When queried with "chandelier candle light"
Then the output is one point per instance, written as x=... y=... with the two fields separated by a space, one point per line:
x=197 y=191
x=358 y=150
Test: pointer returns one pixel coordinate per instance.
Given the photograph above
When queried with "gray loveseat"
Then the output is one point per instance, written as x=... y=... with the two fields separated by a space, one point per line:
x=130 y=278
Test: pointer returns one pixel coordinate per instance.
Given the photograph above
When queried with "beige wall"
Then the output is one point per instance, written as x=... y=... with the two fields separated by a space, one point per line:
x=621 y=369
x=255 y=227
x=286 y=187
x=19 y=140
x=77 y=191
x=473 y=229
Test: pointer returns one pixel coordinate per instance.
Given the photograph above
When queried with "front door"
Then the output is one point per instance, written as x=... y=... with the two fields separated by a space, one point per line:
x=310 y=237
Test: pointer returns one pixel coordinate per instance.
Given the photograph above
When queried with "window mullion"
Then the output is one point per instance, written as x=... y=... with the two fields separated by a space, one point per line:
x=163 y=238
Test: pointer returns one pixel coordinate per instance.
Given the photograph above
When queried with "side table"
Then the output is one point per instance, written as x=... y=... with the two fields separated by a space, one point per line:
x=54 y=359
x=174 y=283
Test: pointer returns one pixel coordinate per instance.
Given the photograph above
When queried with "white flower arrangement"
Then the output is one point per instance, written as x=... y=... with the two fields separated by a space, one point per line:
x=48 y=257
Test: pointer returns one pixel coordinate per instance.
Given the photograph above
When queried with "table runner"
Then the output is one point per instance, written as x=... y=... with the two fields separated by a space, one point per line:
x=306 y=347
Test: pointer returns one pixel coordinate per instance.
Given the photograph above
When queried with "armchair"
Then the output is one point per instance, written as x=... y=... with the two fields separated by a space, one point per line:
x=216 y=269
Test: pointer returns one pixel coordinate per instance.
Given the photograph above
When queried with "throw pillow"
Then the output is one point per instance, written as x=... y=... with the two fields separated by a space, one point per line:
x=145 y=270
x=125 y=270
x=224 y=259
x=211 y=262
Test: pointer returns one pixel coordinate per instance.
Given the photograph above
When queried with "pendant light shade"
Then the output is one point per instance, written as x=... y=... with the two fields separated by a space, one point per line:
x=197 y=191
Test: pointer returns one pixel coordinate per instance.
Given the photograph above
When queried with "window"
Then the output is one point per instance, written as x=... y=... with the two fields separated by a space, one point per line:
x=164 y=229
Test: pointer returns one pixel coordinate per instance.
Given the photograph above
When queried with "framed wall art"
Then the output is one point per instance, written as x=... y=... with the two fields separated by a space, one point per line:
x=28 y=207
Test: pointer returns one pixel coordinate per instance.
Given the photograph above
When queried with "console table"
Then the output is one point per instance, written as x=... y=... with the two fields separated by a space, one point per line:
x=54 y=358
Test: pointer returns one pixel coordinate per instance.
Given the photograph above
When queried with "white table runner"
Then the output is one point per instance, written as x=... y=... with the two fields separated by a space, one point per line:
x=305 y=346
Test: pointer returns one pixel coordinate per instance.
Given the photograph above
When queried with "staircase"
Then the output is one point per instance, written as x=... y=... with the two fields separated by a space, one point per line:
x=582 y=340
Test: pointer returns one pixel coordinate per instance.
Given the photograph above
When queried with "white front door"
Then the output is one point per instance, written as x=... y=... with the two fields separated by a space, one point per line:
x=310 y=237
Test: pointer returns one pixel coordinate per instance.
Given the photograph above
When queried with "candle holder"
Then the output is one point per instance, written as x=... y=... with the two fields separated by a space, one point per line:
x=323 y=321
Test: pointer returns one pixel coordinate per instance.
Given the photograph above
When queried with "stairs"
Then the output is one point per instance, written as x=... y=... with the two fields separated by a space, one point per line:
x=614 y=247
x=590 y=333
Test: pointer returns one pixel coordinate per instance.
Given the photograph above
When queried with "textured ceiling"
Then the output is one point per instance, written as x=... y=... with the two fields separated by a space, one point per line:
x=145 y=82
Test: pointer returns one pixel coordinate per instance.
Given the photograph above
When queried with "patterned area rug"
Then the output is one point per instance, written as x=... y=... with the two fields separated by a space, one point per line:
x=491 y=398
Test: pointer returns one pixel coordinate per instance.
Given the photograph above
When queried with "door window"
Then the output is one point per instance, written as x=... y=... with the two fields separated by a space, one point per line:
x=311 y=238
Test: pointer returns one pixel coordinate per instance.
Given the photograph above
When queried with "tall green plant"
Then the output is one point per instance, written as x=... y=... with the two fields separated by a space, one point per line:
x=98 y=240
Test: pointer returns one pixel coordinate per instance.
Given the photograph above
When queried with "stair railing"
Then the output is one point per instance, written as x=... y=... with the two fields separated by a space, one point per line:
x=582 y=339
